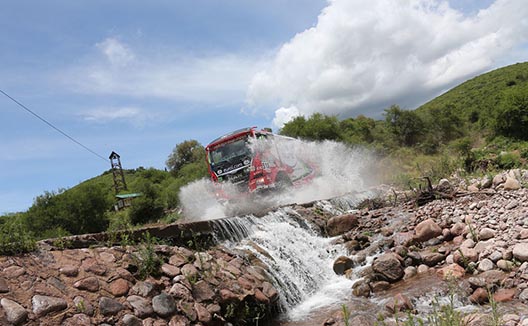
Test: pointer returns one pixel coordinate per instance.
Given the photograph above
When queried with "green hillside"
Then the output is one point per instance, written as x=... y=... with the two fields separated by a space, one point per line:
x=476 y=100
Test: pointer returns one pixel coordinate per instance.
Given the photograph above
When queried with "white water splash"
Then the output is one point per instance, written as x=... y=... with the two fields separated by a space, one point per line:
x=342 y=170
x=299 y=260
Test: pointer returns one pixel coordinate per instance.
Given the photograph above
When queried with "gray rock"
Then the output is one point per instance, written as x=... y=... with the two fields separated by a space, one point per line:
x=341 y=264
x=77 y=320
x=88 y=284
x=4 y=286
x=520 y=251
x=42 y=305
x=524 y=295
x=131 y=320
x=505 y=265
x=498 y=179
x=144 y=289
x=426 y=230
x=511 y=184
x=142 y=306
x=389 y=266
x=108 y=306
x=163 y=304
x=409 y=272
x=485 y=265
x=340 y=224
x=83 y=306
x=15 y=313
x=486 y=233
x=180 y=291
x=201 y=291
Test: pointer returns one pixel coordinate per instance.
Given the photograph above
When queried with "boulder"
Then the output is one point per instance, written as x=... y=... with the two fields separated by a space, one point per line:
x=342 y=264
x=108 y=306
x=498 y=179
x=389 y=266
x=142 y=306
x=202 y=291
x=399 y=303
x=42 y=305
x=15 y=313
x=361 y=289
x=202 y=314
x=131 y=320
x=76 y=320
x=119 y=287
x=164 y=305
x=479 y=296
x=430 y=258
x=341 y=224
x=88 y=284
x=426 y=230
x=4 y=286
x=486 y=233
x=453 y=271
x=511 y=184
x=520 y=251
x=83 y=306
x=504 y=295
x=485 y=265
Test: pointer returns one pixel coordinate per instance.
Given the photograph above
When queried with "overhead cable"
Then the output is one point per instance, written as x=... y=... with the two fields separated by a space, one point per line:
x=52 y=126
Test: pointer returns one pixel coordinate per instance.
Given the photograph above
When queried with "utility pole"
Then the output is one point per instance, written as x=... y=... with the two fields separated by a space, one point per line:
x=117 y=172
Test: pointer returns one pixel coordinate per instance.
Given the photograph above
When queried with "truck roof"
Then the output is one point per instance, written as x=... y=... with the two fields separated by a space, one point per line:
x=230 y=135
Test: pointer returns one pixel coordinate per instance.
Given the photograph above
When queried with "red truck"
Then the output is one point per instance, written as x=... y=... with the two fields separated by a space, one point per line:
x=256 y=161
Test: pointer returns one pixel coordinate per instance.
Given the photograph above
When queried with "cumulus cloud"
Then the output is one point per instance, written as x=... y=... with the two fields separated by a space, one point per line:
x=364 y=55
x=121 y=69
x=284 y=115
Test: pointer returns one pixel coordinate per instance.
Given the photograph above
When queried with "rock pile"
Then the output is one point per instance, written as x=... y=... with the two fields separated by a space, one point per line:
x=101 y=287
x=480 y=239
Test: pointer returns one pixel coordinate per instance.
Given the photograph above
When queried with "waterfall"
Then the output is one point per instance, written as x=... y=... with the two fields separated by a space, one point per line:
x=299 y=260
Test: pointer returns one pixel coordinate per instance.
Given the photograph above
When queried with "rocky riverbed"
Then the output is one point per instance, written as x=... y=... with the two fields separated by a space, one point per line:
x=475 y=235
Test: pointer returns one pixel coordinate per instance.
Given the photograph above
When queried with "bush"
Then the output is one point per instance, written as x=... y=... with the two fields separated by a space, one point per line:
x=508 y=161
x=147 y=207
x=15 y=238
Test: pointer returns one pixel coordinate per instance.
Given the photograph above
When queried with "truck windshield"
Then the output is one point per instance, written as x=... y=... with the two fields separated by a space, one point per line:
x=229 y=151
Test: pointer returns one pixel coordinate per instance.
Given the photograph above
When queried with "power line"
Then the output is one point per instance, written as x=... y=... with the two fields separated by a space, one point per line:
x=52 y=126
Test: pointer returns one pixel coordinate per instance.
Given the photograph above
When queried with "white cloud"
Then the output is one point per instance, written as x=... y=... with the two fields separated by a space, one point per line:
x=116 y=52
x=169 y=74
x=284 y=115
x=365 y=55
x=138 y=117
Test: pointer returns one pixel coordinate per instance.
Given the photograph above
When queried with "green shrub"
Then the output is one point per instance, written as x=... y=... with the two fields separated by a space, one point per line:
x=508 y=161
x=147 y=261
x=15 y=238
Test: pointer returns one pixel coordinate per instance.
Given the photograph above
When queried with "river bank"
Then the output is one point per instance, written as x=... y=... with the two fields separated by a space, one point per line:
x=297 y=265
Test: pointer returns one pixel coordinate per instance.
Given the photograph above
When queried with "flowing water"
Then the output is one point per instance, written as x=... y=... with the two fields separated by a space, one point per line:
x=299 y=259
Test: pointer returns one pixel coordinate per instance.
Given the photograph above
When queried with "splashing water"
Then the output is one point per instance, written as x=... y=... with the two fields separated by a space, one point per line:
x=341 y=170
x=298 y=259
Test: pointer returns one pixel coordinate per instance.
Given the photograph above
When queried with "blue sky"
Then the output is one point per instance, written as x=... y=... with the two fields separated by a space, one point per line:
x=139 y=77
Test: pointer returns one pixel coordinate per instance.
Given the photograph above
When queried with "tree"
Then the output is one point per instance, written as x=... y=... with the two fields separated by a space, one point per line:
x=149 y=206
x=406 y=126
x=317 y=127
x=77 y=211
x=512 y=114
x=189 y=151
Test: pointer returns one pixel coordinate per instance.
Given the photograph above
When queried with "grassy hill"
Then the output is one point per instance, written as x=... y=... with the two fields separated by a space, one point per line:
x=476 y=99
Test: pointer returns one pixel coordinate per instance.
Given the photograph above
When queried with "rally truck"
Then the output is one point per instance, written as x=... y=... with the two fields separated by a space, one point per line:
x=255 y=162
